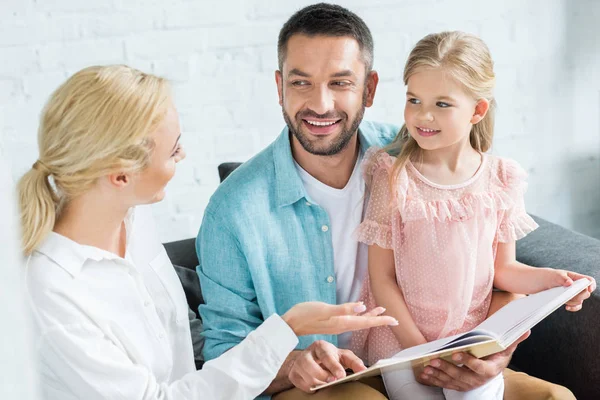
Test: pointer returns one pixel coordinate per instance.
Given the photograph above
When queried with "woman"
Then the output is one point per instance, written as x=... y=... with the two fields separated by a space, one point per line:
x=110 y=312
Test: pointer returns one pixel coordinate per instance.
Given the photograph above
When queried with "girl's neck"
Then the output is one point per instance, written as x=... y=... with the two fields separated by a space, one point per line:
x=94 y=220
x=451 y=165
x=452 y=157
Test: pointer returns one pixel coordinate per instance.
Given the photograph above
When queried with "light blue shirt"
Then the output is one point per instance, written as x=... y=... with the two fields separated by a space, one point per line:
x=264 y=247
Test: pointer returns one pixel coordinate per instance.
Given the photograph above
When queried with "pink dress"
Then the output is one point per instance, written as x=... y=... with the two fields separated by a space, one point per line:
x=444 y=240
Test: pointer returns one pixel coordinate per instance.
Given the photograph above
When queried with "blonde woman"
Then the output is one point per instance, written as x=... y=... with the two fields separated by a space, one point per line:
x=443 y=216
x=110 y=313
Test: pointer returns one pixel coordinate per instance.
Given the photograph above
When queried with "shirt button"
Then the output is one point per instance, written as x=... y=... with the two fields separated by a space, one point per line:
x=330 y=279
x=324 y=228
x=146 y=303
x=308 y=203
x=161 y=335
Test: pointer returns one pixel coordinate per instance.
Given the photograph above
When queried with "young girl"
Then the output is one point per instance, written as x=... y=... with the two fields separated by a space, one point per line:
x=443 y=215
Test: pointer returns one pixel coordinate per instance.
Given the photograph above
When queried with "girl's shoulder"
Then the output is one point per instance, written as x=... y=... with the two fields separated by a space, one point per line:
x=377 y=159
x=506 y=172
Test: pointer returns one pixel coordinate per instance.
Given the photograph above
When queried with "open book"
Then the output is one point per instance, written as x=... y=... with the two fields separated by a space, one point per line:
x=493 y=335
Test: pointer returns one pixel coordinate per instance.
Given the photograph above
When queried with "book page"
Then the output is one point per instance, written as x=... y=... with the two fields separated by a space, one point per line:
x=517 y=317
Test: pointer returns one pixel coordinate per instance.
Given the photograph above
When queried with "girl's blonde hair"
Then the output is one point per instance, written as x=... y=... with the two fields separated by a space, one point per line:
x=467 y=59
x=96 y=123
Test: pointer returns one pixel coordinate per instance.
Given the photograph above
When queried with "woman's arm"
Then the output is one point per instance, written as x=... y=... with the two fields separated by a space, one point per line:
x=387 y=294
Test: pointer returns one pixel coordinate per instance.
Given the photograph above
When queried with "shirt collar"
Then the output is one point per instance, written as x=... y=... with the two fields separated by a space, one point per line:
x=71 y=256
x=288 y=183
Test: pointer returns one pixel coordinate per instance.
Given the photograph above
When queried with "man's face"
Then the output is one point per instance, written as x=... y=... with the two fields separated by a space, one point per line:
x=323 y=90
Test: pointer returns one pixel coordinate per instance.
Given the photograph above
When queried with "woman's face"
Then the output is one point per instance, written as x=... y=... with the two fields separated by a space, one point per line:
x=149 y=185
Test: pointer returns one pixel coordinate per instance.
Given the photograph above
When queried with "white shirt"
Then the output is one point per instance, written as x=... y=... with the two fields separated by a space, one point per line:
x=345 y=210
x=114 y=328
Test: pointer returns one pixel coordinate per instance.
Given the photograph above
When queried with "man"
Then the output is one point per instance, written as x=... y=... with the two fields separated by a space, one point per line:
x=279 y=230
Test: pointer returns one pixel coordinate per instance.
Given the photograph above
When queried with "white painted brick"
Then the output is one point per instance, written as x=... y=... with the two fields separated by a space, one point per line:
x=38 y=28
x=74 y=6
x=162 y=44
x=174 y=69
x=15 y=7
x=199 y=13
x=80 y=54
x=221 y=56
x=10 y=89
x=120 y=23
x=18 y=61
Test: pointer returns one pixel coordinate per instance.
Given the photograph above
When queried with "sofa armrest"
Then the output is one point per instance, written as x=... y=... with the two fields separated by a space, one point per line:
x=563 y=347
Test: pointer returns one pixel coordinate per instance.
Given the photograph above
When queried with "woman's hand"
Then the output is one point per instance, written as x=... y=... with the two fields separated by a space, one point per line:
x=321 y=318
x=558 y=277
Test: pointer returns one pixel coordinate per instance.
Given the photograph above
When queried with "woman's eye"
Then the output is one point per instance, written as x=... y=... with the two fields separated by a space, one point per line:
x=177 y=151
x=414 y=101
x=441 y=104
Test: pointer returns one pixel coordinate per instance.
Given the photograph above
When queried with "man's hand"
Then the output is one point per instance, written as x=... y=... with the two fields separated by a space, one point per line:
x=474 y=372
x=321 y=363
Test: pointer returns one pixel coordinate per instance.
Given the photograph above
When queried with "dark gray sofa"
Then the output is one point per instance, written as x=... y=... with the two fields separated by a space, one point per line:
x=562 y=348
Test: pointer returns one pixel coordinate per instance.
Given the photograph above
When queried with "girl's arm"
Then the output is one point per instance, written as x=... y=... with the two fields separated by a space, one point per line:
x=513 y=276
x=387 y=294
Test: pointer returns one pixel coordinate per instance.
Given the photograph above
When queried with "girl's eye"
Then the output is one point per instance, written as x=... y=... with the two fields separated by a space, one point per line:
x=441 y=104
x=414 y=101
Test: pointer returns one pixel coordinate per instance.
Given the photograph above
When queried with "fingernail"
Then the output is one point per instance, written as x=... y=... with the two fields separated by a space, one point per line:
x=424 y=377
x=331 y=379
x=457 y=357
x=395 y=323
x=429 y=372
x=361 y=308
x=435 y=363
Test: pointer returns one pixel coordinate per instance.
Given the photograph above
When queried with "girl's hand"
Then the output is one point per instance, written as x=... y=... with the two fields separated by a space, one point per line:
x=559 y=277
x=314 y=317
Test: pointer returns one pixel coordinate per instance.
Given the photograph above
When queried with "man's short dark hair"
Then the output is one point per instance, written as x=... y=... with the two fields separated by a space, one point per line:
x=326 y=20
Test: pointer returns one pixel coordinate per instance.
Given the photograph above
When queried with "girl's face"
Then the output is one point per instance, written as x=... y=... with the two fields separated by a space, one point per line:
x=149 y=185
x=439 y=113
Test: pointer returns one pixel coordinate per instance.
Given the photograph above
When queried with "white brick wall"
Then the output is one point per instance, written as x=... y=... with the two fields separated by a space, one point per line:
x=221 y=56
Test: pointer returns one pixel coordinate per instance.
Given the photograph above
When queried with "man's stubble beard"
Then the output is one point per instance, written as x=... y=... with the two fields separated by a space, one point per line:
x=340 y=143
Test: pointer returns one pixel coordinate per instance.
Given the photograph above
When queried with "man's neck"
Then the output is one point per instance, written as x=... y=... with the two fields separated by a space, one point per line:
x=334 y=171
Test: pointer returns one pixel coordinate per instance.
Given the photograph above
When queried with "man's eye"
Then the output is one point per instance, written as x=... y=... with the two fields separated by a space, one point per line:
x=340 y=83
x=414 y=101
x=300 y=83
x=441 y=104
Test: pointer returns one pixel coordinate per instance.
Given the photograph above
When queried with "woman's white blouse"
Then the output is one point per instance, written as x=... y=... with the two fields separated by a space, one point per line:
x=114 y=328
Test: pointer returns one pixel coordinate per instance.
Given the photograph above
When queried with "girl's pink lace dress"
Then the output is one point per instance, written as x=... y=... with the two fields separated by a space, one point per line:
x=444 y=240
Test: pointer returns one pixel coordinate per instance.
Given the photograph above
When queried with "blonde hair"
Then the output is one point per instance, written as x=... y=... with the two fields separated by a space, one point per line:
x=95 y=124
x=467 y=59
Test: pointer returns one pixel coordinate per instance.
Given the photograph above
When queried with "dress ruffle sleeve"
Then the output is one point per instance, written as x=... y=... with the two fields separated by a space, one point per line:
x=376 y=227
x=515 y=223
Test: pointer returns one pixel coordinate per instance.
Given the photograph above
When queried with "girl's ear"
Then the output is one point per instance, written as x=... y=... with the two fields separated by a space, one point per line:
x=481 y=108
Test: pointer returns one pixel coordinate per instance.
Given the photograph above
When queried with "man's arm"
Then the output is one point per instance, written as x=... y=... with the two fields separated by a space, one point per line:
x=230 y=311
x=282 y=381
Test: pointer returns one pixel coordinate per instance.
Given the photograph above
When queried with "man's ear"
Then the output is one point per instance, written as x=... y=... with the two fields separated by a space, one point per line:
x=481 y=108
x=119 y=180
x=371 y=87
x=279 y=82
